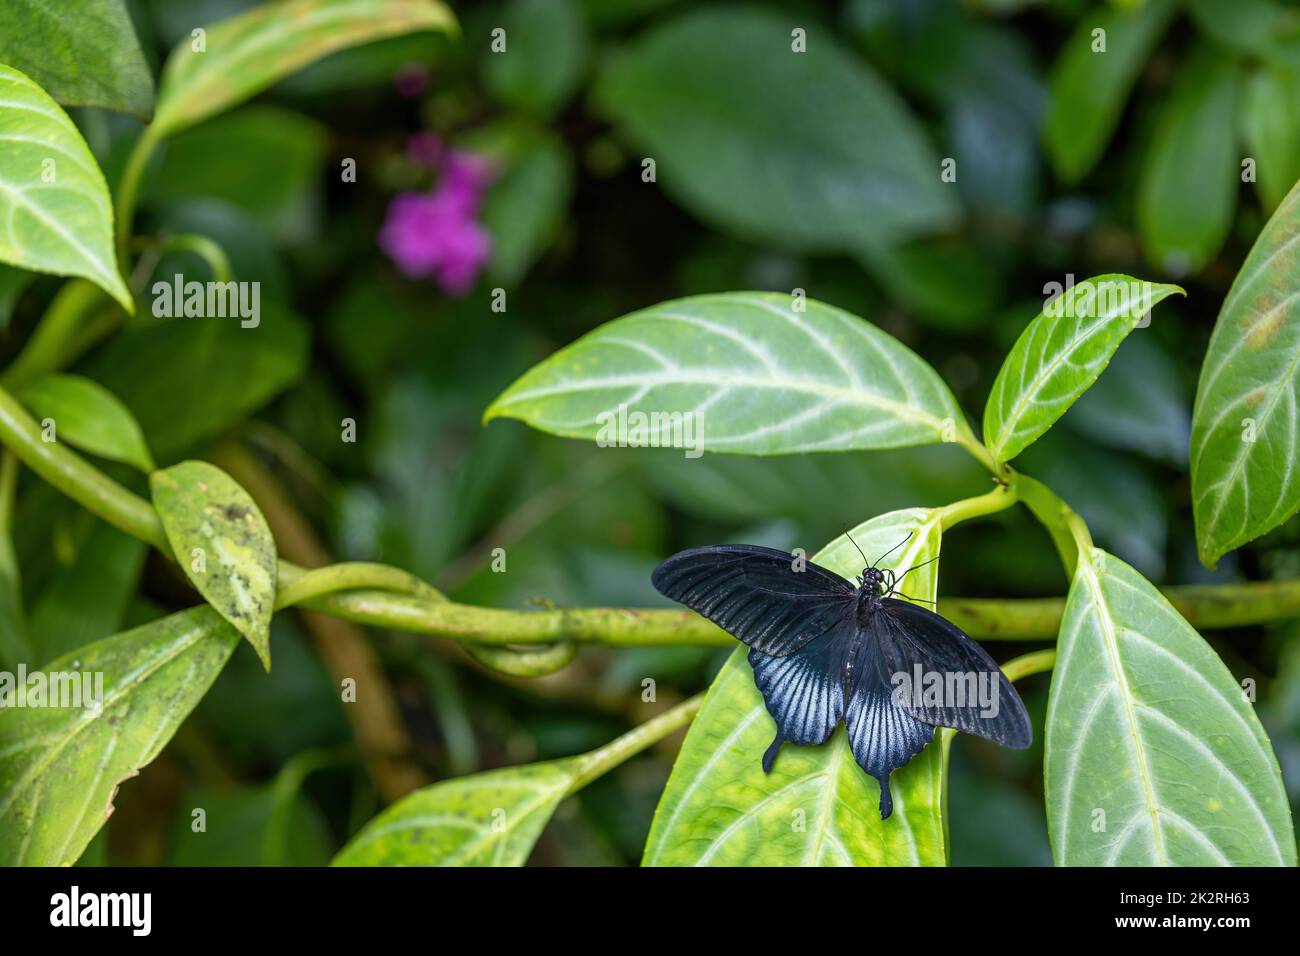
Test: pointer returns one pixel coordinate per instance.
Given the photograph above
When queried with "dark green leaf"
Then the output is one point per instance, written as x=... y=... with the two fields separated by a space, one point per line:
x=86 y=601
x=803 y=150
x=1190 y=175
x=188 y=379
x=545 y=54
x=1088 y=89
x=1270 y=121
x=87 y=56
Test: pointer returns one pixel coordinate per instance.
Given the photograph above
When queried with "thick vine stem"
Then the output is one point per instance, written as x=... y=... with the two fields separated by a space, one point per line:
x=619 y=750
x=1204 y=606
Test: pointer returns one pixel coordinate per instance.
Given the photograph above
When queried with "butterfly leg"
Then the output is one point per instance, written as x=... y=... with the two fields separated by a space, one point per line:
x=770 y=757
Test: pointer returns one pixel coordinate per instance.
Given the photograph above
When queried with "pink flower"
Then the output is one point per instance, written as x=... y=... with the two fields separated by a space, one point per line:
x=437 y=234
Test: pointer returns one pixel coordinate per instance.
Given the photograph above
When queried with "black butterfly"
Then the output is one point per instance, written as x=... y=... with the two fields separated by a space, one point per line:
x=824 y=651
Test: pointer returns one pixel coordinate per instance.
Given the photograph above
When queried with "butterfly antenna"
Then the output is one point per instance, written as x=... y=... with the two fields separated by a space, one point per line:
x=855 y=544
x=915 y=566
x=891 y=550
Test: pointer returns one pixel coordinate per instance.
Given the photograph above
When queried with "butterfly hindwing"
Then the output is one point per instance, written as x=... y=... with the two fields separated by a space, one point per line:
x=977 y=699
x=803 y=691
x=882 y=735
x=754 y=594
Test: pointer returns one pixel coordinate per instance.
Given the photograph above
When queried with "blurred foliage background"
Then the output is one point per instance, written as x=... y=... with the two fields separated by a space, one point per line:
x=766 y=178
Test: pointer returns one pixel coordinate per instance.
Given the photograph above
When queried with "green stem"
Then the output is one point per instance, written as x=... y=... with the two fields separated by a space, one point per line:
x=298 y=586
x=1053 y=513
x=999 y=499
x=128 y=189
x=601 y=761
x=203 y=247
x=979 y=452
x=57 y=339
x=1025 y=665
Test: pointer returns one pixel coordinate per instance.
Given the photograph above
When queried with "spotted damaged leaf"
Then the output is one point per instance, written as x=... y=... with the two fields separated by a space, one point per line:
x=223 y=544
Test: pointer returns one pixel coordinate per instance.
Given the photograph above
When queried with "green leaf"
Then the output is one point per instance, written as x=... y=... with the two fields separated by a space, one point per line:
x=263 y=159
x=187 y=380
x=1270 y=120
x=809 y=151
x=86 y=57
x=90 y=417
x=545 y=55
x=1139 y=405
x=1244 y=476
x=1247 y=26
x=60 y=766
x=248 y=53
x=1153 y=755
x=1060 y=354
x=486 y=819
x=493 y=818
x=87 y=600
x=53 y=199
x=1187 y=192
x=1087 y=89
x=816 y=807
x=760 y=378
x=223 y=544
x=525 y=208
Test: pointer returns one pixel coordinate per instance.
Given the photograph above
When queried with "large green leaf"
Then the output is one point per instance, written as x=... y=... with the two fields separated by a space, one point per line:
x=545 y=55
x=83 y=57
x=816 y=807
x=86 y=600
x=153 y=370
x=525 y=208
x=1088 y=89
x=1270 y=126
x=493 y=818
x=1244 y=423
x=1190 y=175
x=759 y=378
x=88 y=416
x=1153 y=754
x=486 y=819
x=804 y=150
x=222 y=542
x=60 y=766
x=1060 y=354
x=264 y=159
x=53 y=199
x=247 y=53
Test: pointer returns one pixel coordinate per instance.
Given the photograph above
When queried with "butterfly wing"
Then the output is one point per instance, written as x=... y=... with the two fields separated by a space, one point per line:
x=977 y=698
x=883 y=735
x=803 y=691
x=754 y=594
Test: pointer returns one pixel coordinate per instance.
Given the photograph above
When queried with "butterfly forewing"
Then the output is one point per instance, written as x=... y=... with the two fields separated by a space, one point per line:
x=756 y=595
x=968 y=691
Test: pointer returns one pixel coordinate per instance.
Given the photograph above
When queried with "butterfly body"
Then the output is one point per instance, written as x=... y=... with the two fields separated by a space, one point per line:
x=824 y=651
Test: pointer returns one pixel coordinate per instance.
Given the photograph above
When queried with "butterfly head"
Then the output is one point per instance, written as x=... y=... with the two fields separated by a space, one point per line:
x=873 y=580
